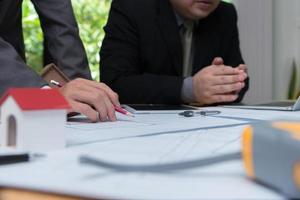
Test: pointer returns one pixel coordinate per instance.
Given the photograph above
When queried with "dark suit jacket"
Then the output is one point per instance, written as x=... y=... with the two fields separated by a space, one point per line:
x=13 y=70
x=141 y=55
x=59 y=28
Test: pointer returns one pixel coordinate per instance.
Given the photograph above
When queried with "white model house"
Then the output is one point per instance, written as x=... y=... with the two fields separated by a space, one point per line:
x=33 y=119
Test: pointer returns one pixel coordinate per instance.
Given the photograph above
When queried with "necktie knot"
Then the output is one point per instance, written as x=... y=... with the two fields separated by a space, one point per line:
x=188 y=26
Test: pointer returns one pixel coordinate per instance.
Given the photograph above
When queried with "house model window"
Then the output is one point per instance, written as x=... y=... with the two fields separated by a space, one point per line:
x=12 y=131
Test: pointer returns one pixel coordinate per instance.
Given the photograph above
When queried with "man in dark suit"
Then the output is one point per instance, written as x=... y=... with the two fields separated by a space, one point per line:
x=63 y=46
x=173 y=51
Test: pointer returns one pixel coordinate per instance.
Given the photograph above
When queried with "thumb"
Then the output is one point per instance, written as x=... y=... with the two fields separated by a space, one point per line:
x=243 y=67
x=218 y=61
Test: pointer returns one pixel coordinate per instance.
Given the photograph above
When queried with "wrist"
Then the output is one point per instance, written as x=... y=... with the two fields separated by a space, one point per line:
x=187 y=90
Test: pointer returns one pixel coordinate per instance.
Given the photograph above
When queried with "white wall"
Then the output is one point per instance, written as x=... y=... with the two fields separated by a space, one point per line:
x=286 y=43
x=270 y=40
x=255 y=26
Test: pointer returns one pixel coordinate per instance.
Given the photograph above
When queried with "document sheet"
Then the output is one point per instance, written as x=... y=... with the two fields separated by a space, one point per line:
x=147 y=139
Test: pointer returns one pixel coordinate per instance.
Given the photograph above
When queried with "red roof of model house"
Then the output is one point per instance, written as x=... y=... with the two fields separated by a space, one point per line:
x=36 y=99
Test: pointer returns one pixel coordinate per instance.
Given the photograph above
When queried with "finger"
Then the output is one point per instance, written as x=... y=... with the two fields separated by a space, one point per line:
x=114 y=97
x=225 y=70
x=97 y=99
x=101 y=104
x=84 y=91
x=94 y=99
x=110 y=109
x=229 y=88
x=91 y=92
x=218 y=61
x=101 y=86
x=242 y=67
x=224 y=98
x=86 y=110
x=102 y=110
x=228 y=79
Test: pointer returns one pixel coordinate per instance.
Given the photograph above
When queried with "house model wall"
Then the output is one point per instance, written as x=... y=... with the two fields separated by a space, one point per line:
x=33 y=119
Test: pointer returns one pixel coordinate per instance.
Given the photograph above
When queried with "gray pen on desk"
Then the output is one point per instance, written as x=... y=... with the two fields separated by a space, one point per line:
x=19 y=157
x=191 y=113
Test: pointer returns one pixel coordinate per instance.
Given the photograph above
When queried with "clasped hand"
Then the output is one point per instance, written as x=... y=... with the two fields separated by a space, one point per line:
x=219 y=83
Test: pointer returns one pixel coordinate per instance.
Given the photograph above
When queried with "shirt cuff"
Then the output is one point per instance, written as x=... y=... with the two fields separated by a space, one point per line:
x=46 y=87
x=187 y=90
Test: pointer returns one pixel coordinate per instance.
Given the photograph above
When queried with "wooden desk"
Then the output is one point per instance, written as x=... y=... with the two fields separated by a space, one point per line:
x=18 y=194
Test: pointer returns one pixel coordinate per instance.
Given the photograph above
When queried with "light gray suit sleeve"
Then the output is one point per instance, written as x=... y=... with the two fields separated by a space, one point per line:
x=62 y=37
x=13 y=70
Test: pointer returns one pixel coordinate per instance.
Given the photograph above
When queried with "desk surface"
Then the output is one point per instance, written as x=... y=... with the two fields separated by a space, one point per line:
x=148 y=139
x=18 y=194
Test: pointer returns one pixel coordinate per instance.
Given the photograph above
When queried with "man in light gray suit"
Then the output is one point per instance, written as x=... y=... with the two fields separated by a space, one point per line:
x=14 y=72
x=95 y=100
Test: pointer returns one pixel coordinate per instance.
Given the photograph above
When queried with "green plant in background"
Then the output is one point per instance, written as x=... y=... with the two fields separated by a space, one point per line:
x=33 y=37
x=293 y=92
x=91 y=16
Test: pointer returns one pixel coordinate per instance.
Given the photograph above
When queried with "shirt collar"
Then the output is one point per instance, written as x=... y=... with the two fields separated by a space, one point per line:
x=180 y=20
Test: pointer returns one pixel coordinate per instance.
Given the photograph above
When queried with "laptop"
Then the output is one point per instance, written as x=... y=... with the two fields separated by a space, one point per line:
x=287 y=105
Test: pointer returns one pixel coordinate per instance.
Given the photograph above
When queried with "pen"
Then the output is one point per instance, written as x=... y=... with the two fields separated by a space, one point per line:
x=117 y=108
x=14 y=158
x=11 y=158
x=123 y=111
x=191 y=113
x=56 y=83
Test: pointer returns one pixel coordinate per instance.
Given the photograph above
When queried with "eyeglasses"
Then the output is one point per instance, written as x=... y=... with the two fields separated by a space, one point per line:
x=191 y=113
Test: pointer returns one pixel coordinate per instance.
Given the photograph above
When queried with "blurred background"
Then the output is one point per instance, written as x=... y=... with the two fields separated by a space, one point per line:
x=91 y=16
x=269 y=35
